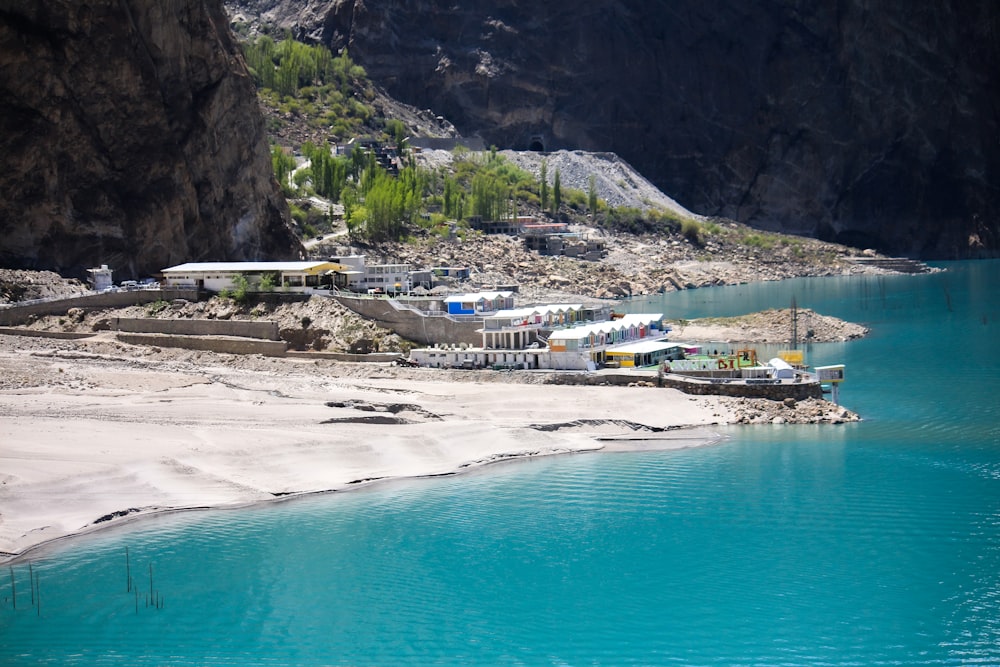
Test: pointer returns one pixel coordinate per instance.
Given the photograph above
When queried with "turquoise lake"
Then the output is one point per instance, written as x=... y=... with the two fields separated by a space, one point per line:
x=876 y=543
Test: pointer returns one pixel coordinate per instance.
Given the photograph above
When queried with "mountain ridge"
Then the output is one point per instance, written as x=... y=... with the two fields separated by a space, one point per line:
x=868 y=126
x=130 y=135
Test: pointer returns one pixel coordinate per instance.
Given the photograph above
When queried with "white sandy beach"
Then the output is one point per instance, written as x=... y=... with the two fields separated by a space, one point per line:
x=84 y=436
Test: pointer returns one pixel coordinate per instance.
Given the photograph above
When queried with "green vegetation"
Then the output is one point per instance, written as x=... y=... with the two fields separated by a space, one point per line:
x=691 y=230
x=331 y=94
x=308 y=81
x=240 y=293
x=556 y=192
x=756 y=240
x=544 y=185
x=283 y=164
x=328 y=174
x=268 y=282
x=386 y=206
x=156 y=307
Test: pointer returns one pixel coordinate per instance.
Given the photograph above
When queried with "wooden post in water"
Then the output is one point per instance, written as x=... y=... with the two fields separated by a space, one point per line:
x=795 y=325
x=13 y=587
x=31 y=580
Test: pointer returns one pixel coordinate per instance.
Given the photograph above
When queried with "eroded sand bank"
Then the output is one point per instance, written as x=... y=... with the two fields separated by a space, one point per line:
x=91 y=440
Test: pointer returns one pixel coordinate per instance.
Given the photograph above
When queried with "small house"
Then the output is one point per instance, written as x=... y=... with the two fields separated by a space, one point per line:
x=100 y=278
x=477 y=303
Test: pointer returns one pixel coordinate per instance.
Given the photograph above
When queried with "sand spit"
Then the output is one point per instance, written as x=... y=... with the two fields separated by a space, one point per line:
x=93 y=434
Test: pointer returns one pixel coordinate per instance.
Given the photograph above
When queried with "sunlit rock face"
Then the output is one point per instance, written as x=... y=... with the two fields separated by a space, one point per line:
x=130 y=135
x=870 y=123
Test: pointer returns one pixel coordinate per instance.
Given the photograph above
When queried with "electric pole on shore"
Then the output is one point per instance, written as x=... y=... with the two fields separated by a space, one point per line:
x=795 y=326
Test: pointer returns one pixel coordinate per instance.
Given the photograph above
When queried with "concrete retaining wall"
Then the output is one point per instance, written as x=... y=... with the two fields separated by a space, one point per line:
x=32 y=333
x=263 y=330
x=373 y=358
x=267 y=348
x=17 y=315
x=776 y=392
x=422 y=329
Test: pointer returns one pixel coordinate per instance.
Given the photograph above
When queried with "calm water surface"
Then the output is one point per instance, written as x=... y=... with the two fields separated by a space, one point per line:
x=864 y=544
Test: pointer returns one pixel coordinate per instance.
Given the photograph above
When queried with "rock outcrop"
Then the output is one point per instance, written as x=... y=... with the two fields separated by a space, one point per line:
x=130 y=135
x=868 y=124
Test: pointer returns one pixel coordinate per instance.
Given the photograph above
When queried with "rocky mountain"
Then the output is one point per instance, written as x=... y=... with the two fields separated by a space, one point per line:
x=130 y=135
x=873 y=124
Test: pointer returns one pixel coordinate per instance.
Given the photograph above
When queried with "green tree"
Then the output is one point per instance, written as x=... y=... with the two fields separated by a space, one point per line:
x=397 y=130
x=268 y=281
x=491 y=198
x=543 y=188
x=592 y=194
x=329 y=173
x=556 y=192
x=240 y=291
x=283 y=164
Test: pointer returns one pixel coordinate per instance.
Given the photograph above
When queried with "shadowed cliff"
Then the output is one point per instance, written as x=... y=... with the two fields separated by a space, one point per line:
x=870 y=124
x=130 y=135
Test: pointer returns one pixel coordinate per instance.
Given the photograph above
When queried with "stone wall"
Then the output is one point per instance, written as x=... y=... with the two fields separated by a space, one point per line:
x=16 y=315
x=31 y=333
x=241 y=328
x=373 y=358
x=412 y=325
x=268 y=348
x=776 y=392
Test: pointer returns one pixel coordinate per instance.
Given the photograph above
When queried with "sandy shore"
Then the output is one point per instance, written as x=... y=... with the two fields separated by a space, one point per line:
x=89 y=440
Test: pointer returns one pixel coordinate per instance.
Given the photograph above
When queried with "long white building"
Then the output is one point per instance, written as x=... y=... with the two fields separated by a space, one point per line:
x=551 y=337
x=304 y=277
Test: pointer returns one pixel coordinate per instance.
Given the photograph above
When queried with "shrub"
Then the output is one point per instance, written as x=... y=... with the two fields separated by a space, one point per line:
x=758 y=241
x=691 y=230
x=156 y=307
x=240 y=293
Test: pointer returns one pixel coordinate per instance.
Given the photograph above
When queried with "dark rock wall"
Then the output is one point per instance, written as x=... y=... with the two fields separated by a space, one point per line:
x=130 y=135
x=874 y=124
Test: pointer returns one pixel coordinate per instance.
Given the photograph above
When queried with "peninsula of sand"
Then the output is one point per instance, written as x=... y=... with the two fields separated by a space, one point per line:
x=95 y=433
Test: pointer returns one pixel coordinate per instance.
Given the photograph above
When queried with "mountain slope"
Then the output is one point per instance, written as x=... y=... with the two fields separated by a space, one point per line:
x=873 y=125
x=130 y=135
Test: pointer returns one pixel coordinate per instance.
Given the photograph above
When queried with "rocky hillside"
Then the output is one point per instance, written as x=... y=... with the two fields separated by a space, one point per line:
x=871 y=125
x=130 y=135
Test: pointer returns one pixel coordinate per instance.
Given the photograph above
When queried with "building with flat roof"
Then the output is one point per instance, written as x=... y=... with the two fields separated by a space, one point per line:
x=554 y=337
x=302 y=277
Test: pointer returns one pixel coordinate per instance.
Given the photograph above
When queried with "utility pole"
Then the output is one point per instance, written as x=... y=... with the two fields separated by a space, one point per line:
x=795 y=326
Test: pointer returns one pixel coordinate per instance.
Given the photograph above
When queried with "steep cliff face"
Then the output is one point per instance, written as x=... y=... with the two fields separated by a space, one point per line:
x=130 y=135
x=870 y=123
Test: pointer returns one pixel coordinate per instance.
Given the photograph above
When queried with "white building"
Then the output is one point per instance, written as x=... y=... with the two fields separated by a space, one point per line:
x=352 y=277
x=388 y=278
x=100 y=278
x=359 y=276
x=546 y=337
x=303 y=277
